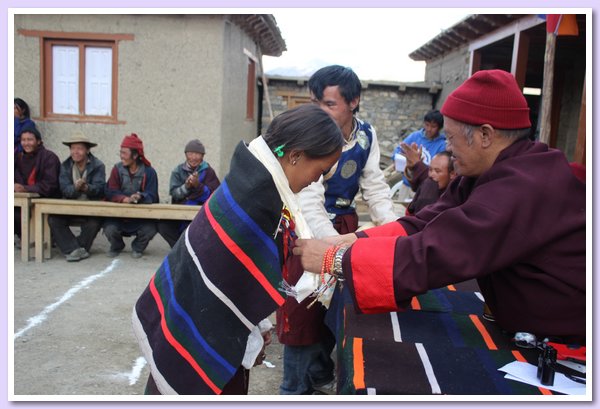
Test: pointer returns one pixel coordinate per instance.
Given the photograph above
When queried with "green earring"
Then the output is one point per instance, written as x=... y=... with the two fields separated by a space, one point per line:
x=279 y=151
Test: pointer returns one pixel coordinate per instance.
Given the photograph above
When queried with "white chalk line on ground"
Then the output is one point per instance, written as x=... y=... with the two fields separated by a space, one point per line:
x=132 y=376
x=41 y=317
x=136 y=371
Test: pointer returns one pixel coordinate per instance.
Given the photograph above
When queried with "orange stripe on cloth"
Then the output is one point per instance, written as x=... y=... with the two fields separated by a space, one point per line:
x=359 y=363
x=451 y=288
x=175 y=344
x=519 y=357
x=243 y=258
x=373 y=274
x=415 y=304
x=386 y=230
x=486 y=336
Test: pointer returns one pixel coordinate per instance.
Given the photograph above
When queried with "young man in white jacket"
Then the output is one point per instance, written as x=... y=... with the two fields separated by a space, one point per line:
x=329 y=209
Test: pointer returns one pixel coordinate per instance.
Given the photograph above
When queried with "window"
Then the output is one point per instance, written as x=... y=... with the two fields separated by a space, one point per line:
x=79 y=75
x=79 y=79
x=293 y=99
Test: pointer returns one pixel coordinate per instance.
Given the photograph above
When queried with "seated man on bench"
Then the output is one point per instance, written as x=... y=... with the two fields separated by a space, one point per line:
x=133 y=180
x=82 y=177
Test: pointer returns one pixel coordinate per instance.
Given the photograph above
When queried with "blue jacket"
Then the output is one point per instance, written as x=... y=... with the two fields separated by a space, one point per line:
x=120 y=185
x=430 y=147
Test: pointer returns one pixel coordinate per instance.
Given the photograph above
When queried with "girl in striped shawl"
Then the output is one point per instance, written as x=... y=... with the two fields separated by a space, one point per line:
x=202 y=320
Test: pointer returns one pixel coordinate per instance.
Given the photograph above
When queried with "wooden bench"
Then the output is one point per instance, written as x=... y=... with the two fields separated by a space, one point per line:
x=23 y=200
x=45 y=207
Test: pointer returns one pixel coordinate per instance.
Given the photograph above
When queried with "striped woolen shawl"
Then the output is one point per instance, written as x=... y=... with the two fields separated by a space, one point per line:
x=220 y=279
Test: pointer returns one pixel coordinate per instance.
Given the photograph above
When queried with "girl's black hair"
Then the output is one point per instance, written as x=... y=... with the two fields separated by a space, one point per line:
x=307 y=128
x=23 y=107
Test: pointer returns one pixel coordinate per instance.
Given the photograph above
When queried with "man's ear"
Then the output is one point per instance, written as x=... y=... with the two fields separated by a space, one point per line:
x=487 y=135
x=354 y=103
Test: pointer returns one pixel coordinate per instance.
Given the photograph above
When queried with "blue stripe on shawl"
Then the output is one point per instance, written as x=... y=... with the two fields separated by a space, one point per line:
x=249 y=225
x=185 y=324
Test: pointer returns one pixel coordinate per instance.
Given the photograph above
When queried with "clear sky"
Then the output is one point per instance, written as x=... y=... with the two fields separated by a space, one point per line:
x=375 y=43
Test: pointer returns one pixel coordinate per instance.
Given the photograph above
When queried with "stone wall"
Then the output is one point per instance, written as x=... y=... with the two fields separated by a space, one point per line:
x=394 y=109
x=450 y=71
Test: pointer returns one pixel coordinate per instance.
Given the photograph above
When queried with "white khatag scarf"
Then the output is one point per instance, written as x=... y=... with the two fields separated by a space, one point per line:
x=309 y=282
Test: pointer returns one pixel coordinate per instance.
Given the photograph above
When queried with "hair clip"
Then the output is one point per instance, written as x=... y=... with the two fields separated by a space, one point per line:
x=279 y=150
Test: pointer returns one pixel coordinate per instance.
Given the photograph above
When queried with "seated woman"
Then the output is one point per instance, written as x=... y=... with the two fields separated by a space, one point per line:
x=22 y=121
x=197 y=322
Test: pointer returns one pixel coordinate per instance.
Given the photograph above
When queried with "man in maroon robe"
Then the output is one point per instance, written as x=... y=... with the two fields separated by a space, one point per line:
x=514 y=219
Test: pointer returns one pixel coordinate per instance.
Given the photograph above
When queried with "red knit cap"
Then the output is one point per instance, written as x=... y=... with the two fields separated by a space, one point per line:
x=489 y=97
x=133 y=142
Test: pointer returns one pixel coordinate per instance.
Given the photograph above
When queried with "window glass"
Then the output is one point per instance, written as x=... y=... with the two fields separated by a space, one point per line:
x=98 y=81
x=65 y=79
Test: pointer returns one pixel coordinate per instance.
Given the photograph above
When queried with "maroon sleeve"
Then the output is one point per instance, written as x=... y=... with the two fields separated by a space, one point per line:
x=113 y=187
x=457 y=242
x=420 y=172
x=46 y=180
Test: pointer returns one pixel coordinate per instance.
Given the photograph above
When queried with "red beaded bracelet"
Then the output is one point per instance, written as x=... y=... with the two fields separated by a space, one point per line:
x=328 y=260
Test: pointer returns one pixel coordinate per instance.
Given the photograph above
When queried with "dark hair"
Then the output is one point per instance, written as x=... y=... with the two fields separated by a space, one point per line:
x=450 y=161
x=346 y=79
x=134 y=153
x=306 y=128
x=33 y=130
x=435 y=116
x=23 y=107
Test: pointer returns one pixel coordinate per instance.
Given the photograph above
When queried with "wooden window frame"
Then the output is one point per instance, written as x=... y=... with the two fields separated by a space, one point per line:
x=251 y=89
x=47 y=40
x=293 y=99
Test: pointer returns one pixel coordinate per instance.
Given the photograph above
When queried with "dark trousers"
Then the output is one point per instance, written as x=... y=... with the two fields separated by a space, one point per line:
x=18 y=221
x=238 y=385
x=171 y=230
x=143 y=230
x=64 y=237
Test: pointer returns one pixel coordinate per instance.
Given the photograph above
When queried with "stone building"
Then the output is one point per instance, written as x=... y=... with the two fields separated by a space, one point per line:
x=394 y=108
x=168 y=78
x=516 y=43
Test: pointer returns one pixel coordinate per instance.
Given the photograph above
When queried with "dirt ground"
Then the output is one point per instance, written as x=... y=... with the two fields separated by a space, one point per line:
x=72 y=326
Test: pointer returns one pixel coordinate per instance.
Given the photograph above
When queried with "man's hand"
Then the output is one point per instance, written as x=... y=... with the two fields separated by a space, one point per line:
x=192 y=181
x=341 y=240
x=311 y=253
x=81 y=185
x=19 y=188
x=135 y=198
x=412 y=153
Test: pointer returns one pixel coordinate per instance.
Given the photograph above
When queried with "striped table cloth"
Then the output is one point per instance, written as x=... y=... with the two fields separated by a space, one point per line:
x=442 y=345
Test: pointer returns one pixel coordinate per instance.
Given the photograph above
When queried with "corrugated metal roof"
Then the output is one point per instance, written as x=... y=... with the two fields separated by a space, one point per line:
x=463 y=32
x=263 y=29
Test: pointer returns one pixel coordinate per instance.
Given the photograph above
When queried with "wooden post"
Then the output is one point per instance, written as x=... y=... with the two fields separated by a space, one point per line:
x=266 y=90
x=545 y=121
x=518 y=66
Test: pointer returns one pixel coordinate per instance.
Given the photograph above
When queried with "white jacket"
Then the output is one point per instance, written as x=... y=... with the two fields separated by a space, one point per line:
x=375 y=191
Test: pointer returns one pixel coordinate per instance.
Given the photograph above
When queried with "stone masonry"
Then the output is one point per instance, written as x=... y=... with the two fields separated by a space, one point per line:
x=395 y=109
